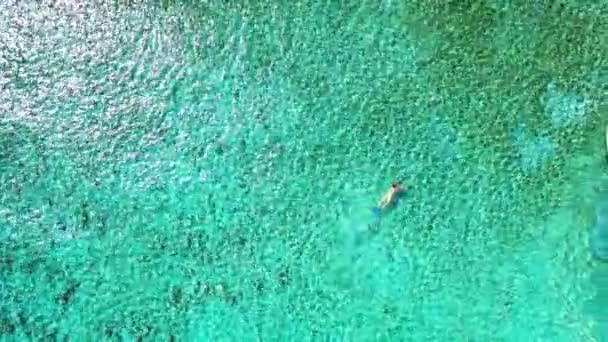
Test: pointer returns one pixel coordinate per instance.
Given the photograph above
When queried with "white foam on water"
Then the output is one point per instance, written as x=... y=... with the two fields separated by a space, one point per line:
x=565 y=109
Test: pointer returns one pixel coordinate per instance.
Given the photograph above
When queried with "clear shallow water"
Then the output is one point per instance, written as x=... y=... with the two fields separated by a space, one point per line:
x=205 y=172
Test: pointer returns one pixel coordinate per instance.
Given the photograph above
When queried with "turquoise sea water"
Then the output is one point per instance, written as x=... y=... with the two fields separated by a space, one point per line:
x=203 y=172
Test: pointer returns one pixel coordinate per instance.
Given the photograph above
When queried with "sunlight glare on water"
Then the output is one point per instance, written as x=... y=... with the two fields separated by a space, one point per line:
x=206 y=172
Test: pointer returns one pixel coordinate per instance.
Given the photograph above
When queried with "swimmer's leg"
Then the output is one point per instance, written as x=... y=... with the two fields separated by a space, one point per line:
x=376 y=214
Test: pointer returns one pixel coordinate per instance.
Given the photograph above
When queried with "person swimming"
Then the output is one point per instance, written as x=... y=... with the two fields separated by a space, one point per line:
x=388 y=199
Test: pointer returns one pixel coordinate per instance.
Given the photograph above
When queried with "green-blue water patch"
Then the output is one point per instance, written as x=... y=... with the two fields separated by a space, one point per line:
x=209 y=175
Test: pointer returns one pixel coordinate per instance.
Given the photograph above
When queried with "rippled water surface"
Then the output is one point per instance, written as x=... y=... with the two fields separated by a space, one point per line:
x=205 y=172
